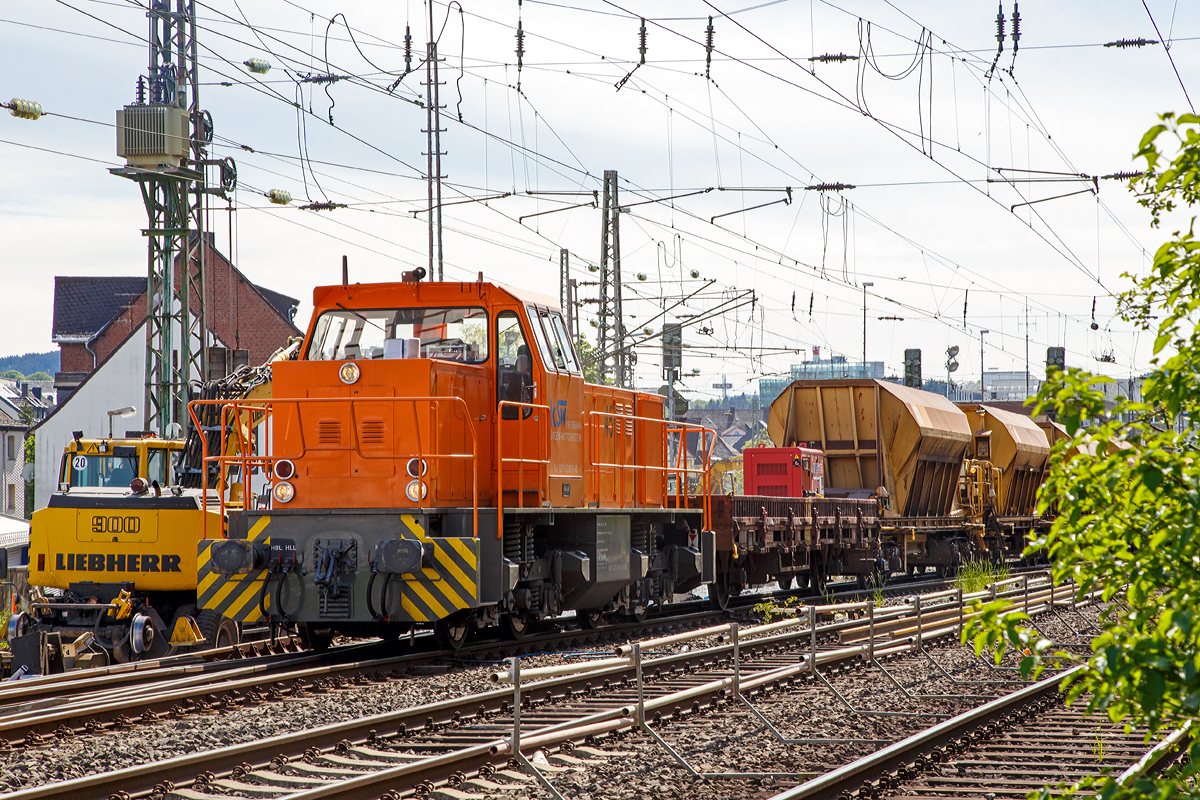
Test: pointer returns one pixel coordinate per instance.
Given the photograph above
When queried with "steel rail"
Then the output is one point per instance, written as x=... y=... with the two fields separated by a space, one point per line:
x=850 y=777
x=143 y=779
x=43 y=712
x=33 y=720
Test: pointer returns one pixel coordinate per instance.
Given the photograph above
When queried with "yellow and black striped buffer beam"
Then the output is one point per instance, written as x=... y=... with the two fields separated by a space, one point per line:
x=436 y=592
x=233 y=596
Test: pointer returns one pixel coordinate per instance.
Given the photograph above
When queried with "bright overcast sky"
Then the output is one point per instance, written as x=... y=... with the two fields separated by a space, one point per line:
x=928 y=138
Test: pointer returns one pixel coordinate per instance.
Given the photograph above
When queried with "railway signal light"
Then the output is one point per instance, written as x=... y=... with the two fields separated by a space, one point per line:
x=1056 y=358
x=912 y=367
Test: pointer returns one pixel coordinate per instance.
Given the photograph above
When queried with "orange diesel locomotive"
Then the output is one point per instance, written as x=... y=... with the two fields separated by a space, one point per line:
x=435 y=458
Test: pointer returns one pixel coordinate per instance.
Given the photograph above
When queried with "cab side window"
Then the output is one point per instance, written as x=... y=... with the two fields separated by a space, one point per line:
x=156 y=465
x=514 y=365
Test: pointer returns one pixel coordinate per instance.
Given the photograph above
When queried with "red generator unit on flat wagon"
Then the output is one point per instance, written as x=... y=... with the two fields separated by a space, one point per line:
x=783 y=471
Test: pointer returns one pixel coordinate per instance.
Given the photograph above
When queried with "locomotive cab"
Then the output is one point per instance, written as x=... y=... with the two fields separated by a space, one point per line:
x=436 y=458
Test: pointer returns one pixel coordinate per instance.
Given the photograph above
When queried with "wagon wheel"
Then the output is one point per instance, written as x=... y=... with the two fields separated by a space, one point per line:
x=818 y=581
x=718 y=592
x=590 y=618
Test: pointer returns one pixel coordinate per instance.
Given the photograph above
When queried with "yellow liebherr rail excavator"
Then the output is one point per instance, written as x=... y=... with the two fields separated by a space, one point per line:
x=112 y=558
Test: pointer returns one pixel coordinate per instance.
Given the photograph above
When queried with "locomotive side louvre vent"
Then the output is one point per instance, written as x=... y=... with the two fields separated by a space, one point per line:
x=371 y=431
x=329 y=431
x=777 y=468
x=773 y=491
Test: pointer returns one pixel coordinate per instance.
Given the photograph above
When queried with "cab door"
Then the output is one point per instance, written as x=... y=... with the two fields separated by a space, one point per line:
x=563 y=393
x=520 y=382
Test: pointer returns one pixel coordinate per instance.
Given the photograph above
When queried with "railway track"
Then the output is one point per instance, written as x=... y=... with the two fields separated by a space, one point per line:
x=418 y=747
x=1008 y=747
x=34 y=711
x=62 y=709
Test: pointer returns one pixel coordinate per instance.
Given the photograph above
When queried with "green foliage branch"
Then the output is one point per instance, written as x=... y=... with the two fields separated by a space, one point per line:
x=1126 y=483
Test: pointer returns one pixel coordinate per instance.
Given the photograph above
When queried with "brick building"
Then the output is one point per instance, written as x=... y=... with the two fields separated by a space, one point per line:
x=93 y=316
x=101 y=329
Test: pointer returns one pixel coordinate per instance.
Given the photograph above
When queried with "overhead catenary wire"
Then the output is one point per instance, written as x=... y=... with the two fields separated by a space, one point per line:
x=514 y=215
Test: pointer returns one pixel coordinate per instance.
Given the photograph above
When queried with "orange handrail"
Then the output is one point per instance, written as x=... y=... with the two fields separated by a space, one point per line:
x=247 y=460
x=543 y=464
x=679 y=470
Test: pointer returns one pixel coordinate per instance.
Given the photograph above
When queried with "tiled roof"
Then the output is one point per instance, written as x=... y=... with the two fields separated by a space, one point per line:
x=283 y=304
x=84 y=305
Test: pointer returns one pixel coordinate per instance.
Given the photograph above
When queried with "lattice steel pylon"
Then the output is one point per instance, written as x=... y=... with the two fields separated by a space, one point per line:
x=614 y=356
x=164 y=138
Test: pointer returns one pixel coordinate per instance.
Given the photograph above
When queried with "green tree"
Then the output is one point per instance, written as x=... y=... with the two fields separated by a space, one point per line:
x=1128 y=494
x=13 y=375
x=39 y=376
x=587 y=357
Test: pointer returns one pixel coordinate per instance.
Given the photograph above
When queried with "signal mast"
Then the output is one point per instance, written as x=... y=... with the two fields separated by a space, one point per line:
x=163 y=137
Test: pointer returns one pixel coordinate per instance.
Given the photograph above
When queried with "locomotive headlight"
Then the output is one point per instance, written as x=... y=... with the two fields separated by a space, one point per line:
x=416 y=490
x=285 y=469
x=284 y=492
x=349 y=372
x=417 y=467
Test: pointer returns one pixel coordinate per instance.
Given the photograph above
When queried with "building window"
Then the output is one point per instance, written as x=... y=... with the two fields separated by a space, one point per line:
x=12 y=497
x=12 y=447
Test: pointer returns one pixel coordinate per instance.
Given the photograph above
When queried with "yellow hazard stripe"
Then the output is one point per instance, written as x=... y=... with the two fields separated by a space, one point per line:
x=257 y=529
x=451 y=593
x=427 y=597
x=444 y=558
x=414 y=613
x=235 y=596
x=413 y=526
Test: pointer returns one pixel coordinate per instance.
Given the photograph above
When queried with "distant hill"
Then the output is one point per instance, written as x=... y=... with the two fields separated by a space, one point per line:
x=31 y=362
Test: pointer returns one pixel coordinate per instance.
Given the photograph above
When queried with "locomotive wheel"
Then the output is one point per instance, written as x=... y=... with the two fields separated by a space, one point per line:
x=516 y=625
x=218 y=630
x=590 y=618
x=313 y=637
x=451 y=632
x=785 y=581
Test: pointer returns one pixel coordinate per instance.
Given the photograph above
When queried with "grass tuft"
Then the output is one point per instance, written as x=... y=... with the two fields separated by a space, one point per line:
x=975 y=576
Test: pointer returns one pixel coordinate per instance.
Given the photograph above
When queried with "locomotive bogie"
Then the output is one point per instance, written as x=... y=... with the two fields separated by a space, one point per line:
x=360 y=572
